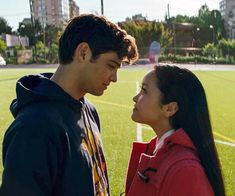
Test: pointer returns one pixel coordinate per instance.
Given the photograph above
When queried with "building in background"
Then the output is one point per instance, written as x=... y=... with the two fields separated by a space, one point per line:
x=136 y=18
x=73 y=9
x=227 y=10
x=53 y=12
x=22 y=55
x=15 y=40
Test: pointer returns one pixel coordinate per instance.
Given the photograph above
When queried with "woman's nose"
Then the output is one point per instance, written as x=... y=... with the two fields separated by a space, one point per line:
x=135 y=98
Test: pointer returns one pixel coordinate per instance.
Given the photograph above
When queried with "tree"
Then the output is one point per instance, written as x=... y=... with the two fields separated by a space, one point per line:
x=207 y=25
x=204 y=16
x=218 y=23
x=53 y=53
x=52 y=34
x=226 y=48
x=147 y=31
x=166 y=40
x=209 y=50
x=4 y=27
x=181 y=19
x=34 y=34
x=211 y=24
x=3 y=47
x=41 y=52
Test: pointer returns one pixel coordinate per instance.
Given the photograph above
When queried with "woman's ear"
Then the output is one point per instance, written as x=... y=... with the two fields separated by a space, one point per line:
x=82 y=52
x=171 y=108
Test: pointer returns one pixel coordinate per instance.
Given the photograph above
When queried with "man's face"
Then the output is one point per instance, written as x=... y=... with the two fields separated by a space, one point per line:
x=99 y=73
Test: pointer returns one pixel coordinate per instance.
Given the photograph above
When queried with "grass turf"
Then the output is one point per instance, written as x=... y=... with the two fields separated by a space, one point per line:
x=118 y=131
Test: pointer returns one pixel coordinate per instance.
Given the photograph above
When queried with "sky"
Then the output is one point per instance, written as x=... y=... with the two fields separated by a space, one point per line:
x=14 y=11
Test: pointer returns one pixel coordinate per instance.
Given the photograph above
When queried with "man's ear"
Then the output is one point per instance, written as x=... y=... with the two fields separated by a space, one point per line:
x=171 y=108
x=82 y=52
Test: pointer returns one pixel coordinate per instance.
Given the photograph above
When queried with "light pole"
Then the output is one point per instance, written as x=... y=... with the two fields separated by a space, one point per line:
x=198 y=37
x=102 y=7
x=230 y=23
x=35 y=58
x=213 y=31
x=44 y=38
x=21 y=26
x=174 y=37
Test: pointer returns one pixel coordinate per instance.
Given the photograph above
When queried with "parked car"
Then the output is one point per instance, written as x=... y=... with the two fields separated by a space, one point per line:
x=2 y=61
x=143 y=61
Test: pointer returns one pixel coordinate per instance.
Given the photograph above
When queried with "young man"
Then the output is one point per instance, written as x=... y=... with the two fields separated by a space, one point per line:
x=53 y=147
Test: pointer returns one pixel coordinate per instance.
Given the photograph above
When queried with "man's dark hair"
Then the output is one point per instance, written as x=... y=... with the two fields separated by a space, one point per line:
x=101 y=35
x=182 y=86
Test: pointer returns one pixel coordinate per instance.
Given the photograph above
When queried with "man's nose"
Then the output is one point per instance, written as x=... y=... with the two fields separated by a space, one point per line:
x=114 y=76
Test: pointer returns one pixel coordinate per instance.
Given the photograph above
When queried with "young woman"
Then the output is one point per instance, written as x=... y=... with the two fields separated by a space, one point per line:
x=182 y=159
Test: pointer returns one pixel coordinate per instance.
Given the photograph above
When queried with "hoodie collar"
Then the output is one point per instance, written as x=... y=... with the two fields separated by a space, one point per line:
x=38 y=88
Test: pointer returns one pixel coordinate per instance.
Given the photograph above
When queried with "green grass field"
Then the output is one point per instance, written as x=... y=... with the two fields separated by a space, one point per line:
x=118 y=131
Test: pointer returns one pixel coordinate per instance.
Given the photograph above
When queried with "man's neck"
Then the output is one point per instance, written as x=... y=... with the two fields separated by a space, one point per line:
x=65 y=79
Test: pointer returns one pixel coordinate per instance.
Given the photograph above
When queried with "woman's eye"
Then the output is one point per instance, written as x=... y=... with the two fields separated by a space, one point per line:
x=143 y=90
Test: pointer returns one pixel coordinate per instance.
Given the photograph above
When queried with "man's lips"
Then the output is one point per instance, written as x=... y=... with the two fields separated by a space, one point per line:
x=105 y=85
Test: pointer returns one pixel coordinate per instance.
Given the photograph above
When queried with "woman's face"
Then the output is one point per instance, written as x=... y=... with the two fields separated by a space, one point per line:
x=148 y=108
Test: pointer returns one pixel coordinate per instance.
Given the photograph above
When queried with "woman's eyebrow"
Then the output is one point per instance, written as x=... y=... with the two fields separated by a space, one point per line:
x=145 y=83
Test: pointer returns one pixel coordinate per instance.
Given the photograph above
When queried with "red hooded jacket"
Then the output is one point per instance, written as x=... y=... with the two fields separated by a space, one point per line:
x=175 y=170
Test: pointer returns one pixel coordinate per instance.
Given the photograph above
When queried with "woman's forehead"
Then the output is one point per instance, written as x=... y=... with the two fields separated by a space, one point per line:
x=150 y=79
x=150 y=76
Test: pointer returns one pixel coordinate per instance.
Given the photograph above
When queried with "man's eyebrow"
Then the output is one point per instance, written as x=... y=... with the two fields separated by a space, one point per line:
x=118 y=64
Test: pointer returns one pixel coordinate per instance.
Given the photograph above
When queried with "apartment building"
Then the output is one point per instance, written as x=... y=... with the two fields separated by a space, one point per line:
x=53 y=12
x=227 y=9
x=73 y=9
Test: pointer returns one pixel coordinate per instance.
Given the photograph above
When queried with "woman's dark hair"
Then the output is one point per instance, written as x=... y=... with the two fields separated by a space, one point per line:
x=101 y=35
x=182 y=86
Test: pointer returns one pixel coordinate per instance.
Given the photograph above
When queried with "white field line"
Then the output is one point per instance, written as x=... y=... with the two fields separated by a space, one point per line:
x=138 y=125
x=225 y=143
x=216 y=141
x=139 y=132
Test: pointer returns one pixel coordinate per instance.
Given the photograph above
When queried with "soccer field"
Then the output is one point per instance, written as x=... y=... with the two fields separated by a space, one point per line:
x=118 y=130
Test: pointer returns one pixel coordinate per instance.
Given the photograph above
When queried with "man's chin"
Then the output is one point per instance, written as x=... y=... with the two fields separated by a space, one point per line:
x=97 y=93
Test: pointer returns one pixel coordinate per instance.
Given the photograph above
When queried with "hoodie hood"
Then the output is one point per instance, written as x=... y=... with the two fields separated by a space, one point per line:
x=39 y=88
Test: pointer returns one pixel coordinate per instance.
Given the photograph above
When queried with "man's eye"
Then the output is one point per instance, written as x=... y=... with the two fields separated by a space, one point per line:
x=111 y=66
